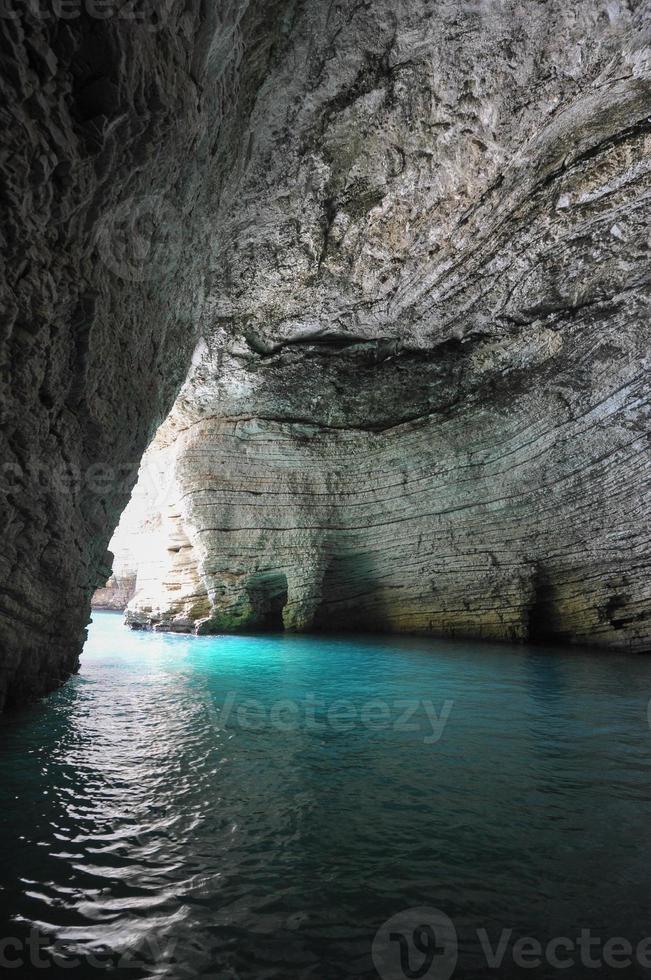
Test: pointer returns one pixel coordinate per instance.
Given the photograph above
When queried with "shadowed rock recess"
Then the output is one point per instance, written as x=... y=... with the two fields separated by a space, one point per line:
x=399 y=252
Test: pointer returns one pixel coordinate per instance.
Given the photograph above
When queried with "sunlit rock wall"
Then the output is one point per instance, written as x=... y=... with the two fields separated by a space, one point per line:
x=518 y=520
x=422 y=403
x=408 y=244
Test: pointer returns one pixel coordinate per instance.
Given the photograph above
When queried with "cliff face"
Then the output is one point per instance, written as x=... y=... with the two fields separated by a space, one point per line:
x=408 y=245
x=116 y=131
x=422 y=398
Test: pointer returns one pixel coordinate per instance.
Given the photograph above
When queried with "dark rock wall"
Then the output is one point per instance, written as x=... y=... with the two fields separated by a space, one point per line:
x=109 y=127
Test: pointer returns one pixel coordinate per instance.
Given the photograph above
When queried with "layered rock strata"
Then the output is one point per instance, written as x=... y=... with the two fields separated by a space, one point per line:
x=513 y=522
x=423 y=402
x=408 y=244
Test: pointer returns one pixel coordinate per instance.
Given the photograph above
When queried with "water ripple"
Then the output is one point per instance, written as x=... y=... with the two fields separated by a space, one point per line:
x=230 y=807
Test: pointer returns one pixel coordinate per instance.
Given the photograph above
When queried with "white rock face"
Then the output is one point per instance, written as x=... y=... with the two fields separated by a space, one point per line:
x=423 y=400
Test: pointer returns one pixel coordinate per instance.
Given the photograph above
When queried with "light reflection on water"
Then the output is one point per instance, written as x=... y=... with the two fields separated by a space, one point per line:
x=273 y=837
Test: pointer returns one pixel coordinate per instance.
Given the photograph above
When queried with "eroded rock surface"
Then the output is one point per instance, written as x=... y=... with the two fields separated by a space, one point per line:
x=116 y=132
x=422 y=399
x=408 y=244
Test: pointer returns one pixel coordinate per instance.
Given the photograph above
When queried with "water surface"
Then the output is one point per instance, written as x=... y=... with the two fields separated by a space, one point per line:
x=259 y=807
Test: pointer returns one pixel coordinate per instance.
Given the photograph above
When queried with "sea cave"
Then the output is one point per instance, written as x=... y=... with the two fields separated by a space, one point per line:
x=325 y=581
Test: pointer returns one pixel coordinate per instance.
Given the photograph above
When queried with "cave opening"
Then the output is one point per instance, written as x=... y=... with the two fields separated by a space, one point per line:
x=540 y=618
x=267 y=594
x=359 y=293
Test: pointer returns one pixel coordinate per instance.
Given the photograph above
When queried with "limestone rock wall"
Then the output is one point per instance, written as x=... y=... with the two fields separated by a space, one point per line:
x=516 y=521
x=422 y=403
x=167 y=587
x=117 y=129
x=406 y=246
x=135 y=545
x=119 y=589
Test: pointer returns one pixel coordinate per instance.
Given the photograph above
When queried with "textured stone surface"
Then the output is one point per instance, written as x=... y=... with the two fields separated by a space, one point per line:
x=115 y=134
x=119 y=589
x=423 y=400
x=408 y=243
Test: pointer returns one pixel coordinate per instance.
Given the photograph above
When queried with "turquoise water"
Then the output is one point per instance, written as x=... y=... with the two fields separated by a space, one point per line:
x=207 y=807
